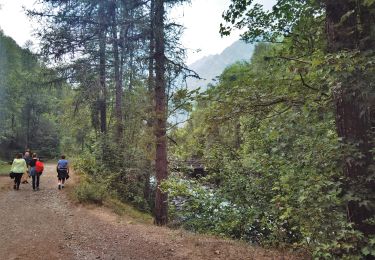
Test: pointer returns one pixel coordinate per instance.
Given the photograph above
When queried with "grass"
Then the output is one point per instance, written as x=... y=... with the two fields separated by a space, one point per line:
x=124 y=209
x=4 y=168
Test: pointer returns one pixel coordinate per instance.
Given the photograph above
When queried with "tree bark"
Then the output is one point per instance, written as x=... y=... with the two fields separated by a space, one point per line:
x=353 y=115
x=151 y=88
x=28 y=114
x=161 y=198
x=118 y=92
x=102 y=69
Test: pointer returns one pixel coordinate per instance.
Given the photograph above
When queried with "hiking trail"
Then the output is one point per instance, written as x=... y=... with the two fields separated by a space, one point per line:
x=46 y=224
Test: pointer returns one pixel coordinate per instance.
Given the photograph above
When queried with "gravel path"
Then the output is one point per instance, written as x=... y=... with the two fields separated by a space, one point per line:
x=45 y=224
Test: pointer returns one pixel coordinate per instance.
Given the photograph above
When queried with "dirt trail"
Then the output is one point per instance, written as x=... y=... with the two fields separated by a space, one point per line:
x=45 y=225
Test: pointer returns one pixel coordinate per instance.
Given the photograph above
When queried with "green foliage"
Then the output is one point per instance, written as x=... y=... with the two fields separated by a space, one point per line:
x=90 y=192
x=4 y=168
x=122 y=179
x=200 y=209
x=30 y=98
x=266 y=134
x=130 y=185
x=272 y=25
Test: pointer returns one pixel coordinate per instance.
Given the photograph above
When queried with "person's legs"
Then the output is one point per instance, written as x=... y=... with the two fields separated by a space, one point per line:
x=18 y=180
x=59 y=179
x=62 y=182
x=33 y=177
x=37 y=180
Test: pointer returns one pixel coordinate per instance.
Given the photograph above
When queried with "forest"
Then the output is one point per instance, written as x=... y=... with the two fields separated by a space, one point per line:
x=278 y=152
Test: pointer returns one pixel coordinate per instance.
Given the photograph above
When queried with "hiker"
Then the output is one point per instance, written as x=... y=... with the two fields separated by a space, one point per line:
x=27 y=157
x=18 y=169
x=38 y=170
x=32 y=171
x=62 y=171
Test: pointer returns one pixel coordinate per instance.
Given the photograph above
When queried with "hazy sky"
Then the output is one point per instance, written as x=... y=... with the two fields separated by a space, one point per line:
x=201 y=19
x=13 y=20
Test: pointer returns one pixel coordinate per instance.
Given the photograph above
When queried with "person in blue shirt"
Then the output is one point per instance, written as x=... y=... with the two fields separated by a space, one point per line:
x=62 y=171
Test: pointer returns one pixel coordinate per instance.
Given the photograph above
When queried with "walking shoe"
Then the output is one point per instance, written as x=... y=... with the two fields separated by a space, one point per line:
x=59 y=186
x=14 y=187
x=62 y=186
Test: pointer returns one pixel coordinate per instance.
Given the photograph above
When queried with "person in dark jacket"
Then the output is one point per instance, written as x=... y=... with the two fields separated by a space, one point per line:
x=32 y=170
x=38 y=170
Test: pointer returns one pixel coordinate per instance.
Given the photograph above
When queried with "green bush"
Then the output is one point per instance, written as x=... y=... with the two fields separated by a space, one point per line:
x=129 y=185
x=87 y=192
x=122 y=182
x=86 y=164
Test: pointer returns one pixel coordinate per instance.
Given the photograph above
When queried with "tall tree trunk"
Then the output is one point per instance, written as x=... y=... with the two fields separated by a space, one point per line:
x=353 y=117
x=12 y=127
x=102 y=69
x=151 y=88
x=28 y=131
x=161 y=198
x=118 y=95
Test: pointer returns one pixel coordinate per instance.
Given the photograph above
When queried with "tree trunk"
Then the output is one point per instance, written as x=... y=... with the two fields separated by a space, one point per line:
x=118 y=95
x=13 y=123
x=353 y=117
x=28 y=129
x=102 y=70
x=151 y=88
x=161 y=199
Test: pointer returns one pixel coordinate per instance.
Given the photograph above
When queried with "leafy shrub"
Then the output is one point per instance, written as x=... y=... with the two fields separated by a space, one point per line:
x=129 y=185
x=86 y=164
x=87 y=192
x=204 y=210
x=121 y=181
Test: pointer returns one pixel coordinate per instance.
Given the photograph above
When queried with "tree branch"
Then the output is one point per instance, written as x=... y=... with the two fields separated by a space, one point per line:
x=286 y=58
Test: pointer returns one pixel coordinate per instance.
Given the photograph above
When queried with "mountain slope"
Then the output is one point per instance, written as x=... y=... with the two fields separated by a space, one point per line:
x=209 y=67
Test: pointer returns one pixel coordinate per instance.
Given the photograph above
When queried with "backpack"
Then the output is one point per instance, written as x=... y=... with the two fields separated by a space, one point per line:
x=39 y=166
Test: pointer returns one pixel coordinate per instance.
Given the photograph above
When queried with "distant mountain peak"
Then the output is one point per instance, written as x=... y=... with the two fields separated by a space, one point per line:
x=211 y=66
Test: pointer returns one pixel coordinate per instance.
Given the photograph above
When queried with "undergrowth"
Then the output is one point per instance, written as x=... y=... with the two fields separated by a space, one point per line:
x=97 y=193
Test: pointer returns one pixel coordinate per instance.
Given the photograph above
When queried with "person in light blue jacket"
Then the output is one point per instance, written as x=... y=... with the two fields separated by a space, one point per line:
x=62 y=171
